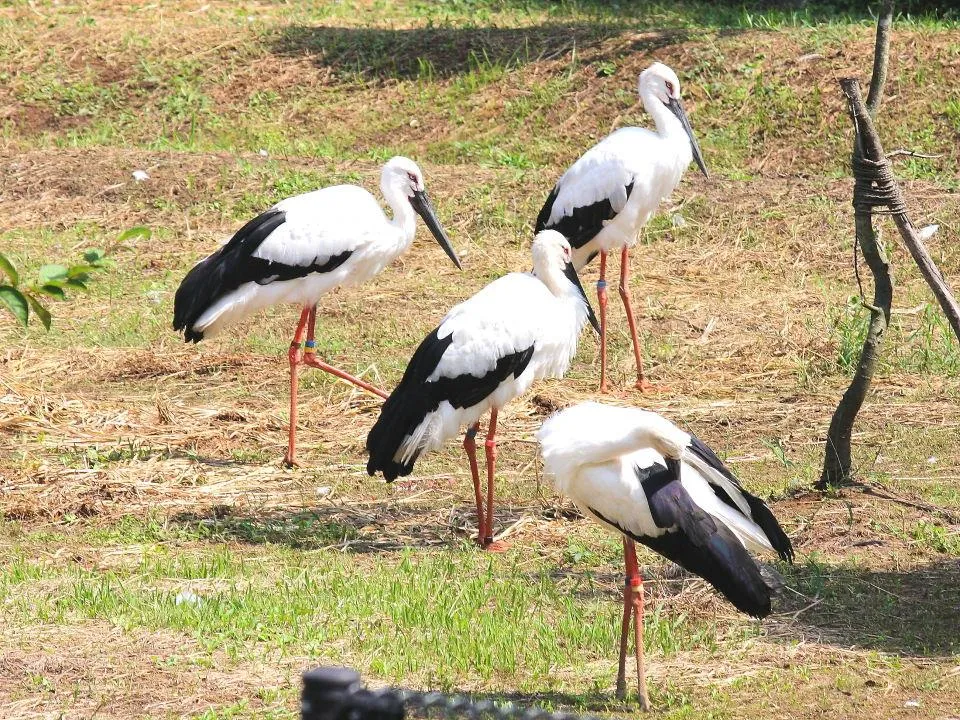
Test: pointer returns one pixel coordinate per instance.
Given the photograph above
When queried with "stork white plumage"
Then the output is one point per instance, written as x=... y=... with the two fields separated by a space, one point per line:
x=488 y=350
x=641 y=476
x=299 y=250
x=604 y=199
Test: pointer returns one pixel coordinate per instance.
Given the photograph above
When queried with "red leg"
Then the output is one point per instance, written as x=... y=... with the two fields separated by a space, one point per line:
x=295 y=356
x=632 y=605
x=624 y=635
x=470 y=445
x=642 y=383
x=310 y=358
x=491 y=447
x=602 y=302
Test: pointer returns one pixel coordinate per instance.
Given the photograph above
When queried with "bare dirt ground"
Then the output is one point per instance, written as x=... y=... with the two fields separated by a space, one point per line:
x=120 y=445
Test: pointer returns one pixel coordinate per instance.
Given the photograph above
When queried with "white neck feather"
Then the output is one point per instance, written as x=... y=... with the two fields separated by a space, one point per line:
x=404 y=217
x=668 y=126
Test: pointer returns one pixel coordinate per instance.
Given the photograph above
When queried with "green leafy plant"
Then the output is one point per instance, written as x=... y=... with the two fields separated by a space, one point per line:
x=53 y=281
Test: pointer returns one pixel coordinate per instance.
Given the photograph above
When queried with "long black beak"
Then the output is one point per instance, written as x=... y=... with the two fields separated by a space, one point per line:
x=421 y=203
x=571 y=272
x=676 y=107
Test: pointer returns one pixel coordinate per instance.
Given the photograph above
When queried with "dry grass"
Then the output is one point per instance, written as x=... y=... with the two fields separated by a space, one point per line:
x=110 y=417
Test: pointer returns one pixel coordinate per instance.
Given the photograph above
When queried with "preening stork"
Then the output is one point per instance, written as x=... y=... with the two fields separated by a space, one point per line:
x=299 y=250
x=604 y=199
x=487 y=350
x=641 y=476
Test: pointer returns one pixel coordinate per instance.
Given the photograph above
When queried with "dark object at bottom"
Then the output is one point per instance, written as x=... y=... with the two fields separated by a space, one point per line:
x=338 y=694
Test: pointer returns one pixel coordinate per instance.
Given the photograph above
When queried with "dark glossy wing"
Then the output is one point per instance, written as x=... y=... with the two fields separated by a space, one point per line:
x=698 y=543
x=244 y=259
x=418 y=395
x=736 y=497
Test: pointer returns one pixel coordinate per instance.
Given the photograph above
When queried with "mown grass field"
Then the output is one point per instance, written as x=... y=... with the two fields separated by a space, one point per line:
x=155 y=558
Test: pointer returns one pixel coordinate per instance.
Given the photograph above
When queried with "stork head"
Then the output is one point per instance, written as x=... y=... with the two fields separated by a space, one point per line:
x=402 y=174
x=661 y=83
x=553 y=260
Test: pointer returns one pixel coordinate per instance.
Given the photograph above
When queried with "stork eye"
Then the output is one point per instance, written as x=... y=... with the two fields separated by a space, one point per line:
x=413 y=178
x=669 y=87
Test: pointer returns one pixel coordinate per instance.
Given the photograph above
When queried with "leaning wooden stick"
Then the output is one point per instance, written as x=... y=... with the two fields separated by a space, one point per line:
x=886 y=191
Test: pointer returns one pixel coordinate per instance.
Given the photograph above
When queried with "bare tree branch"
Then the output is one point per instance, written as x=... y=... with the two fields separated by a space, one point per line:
x=875 y=185
x=881 y=55
x=837 y=455
x=873 y=153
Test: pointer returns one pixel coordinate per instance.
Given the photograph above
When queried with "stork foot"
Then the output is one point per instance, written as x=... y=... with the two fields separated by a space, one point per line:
x=289 y=462
x=495 y=546
x=648 y=388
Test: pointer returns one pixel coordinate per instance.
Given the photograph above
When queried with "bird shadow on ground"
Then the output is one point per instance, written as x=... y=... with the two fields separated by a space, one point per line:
x=355 y=528
x=911 y=612
x=439 y=51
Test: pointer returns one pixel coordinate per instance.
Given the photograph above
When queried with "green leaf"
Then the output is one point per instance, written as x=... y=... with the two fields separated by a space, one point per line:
x=40 y=311
x=94 y=256
x=53 y=291
x=52 y=272
x=15 y=302
x=7 y=267
x=81 y=272
x=77 y=283
x=140 y=231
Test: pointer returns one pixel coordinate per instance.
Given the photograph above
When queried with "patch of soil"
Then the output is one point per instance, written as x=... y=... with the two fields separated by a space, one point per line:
x=96 y=669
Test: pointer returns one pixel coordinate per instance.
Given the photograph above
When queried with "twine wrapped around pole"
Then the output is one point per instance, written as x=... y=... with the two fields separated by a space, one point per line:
x=878 y=186
x=875 y=187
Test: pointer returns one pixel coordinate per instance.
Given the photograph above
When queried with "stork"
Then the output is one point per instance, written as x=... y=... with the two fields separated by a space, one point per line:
x=299 y=250
x=487 y=351
x=639 y=475
x=604 y=199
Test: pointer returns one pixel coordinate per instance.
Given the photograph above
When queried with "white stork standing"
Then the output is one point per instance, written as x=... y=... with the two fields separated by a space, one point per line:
x=606 y=197
x=487 y=351
x=299 y=250
x=638 y=474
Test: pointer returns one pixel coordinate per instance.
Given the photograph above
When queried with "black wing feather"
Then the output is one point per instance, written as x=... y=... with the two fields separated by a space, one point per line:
x=414 y=398
x=698 y=543
x=234 y=265
x=583 y=224
x=759 y=512
x=217 y=274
